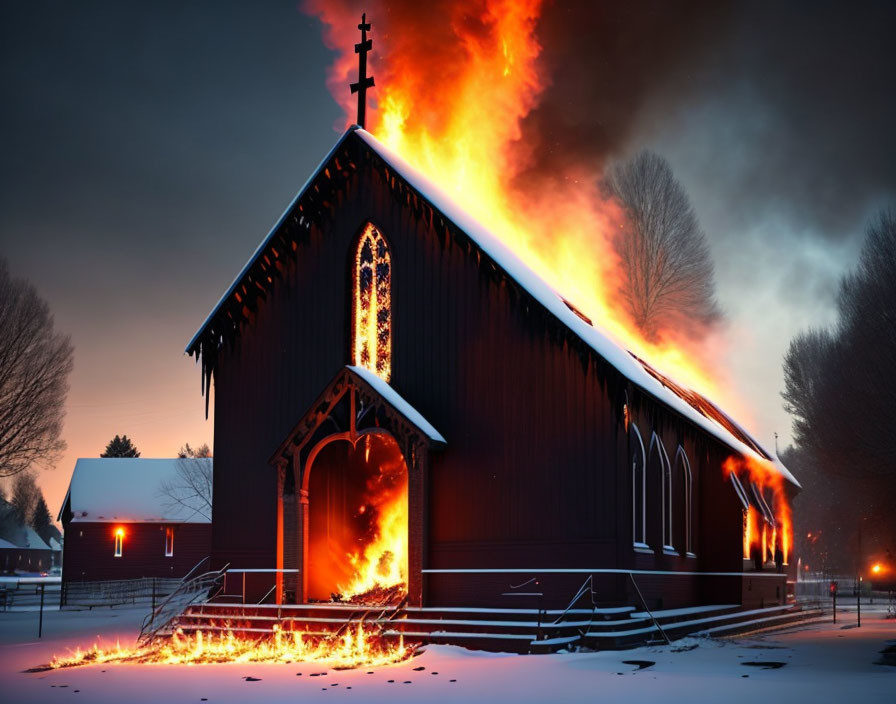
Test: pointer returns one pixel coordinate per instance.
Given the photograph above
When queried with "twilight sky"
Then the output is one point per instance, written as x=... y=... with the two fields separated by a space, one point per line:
x=148 y=147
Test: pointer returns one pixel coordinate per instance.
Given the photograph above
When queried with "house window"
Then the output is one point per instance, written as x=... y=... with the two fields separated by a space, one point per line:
x=372 y=304
x=169 y=542
x=639 y=487
x=119 y=539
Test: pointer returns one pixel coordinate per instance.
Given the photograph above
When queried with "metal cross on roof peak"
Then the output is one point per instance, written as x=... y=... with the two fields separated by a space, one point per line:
x=364 y=81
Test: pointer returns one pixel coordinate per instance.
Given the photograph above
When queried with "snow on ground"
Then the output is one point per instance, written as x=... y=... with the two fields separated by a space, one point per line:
x=821 y=663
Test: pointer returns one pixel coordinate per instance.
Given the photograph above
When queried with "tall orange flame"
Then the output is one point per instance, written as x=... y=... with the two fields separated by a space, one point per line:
x=382 y=564
x=454 y=81
x=765 y=476
x=751 y=531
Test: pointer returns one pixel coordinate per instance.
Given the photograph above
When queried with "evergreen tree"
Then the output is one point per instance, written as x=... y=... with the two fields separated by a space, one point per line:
x=120 y=447
x=42 y=521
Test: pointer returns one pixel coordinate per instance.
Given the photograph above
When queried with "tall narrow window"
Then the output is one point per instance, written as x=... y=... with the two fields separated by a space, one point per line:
x=372 y=304
x=639 y=487
x=683 y=473
x=119 y=539
x=660 y=471
x=169 y=542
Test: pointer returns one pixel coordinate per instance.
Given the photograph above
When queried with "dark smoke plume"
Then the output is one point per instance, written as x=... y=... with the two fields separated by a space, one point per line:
x=794 y=100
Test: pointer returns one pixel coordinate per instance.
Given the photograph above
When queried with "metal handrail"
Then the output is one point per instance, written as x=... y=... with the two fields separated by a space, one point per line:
x=649 y=613
x=267 y=594
x=202 y=586
x=588 y=585
x=189 y=575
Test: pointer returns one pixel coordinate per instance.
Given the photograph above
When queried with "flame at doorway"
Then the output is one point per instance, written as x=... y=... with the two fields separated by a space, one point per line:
x=359 y=524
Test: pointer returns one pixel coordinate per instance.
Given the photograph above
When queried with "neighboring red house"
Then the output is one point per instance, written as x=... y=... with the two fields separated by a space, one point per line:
x=130 y=518
x=27 y=554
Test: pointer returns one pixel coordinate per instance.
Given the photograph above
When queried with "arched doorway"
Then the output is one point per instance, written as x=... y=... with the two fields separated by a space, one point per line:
x=358 y=432
x=357 y=502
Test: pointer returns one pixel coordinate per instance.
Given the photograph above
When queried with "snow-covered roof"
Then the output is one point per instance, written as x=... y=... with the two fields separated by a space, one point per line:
x=26 y=538
x=711 y=420
x=130 y=490
x=6 y=545
x=398 y=403
x=55 y=545
x=33 y=541
x=596 y=338
x=264 y=243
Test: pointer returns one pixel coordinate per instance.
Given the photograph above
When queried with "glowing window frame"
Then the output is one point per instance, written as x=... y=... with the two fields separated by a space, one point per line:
x=376 y=344
x=169 y=541
x=119 y=543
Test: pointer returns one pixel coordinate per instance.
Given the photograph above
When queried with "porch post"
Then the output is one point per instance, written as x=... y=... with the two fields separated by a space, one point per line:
x=281 y=477
x=302 y=563
x=416 y=462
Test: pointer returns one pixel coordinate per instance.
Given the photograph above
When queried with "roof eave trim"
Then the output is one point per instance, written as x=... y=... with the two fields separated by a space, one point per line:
x=190 y=349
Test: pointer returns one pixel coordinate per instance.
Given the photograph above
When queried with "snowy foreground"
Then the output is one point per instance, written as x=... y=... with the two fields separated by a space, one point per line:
x=815 y=663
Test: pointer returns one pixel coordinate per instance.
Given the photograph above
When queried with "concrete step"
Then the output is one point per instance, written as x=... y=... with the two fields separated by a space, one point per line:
x=677 y=625
x=763 y=624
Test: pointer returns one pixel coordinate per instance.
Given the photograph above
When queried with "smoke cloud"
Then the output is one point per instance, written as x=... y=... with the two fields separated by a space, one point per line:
x=788 y=107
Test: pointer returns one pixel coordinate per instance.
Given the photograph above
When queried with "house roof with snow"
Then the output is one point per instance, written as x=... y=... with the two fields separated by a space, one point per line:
x=135 y=490
x=261 y=270
x=398 y=403
x=6 y=545
x=26 y=538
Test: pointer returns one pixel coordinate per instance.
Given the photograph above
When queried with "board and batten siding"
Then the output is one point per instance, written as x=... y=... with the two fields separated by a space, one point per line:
x=535 y=472
x=528 y=473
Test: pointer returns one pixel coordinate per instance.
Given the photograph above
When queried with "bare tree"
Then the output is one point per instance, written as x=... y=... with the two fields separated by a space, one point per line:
x=806 y=369
x=196 y=452
x=668 y=270
x=25 y=496
x=35 y=362
x=9 y=521
x=191 y=487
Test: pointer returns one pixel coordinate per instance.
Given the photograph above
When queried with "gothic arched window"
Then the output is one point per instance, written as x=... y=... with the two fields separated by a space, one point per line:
x=372 y=304
x=685 y=509
x=660 y=472
x=639 y=487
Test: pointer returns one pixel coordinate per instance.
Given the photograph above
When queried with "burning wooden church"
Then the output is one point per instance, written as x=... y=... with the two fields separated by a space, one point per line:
x=403 y=408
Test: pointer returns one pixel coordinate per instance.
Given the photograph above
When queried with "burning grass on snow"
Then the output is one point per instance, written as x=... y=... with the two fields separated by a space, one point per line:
x=359 y=646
